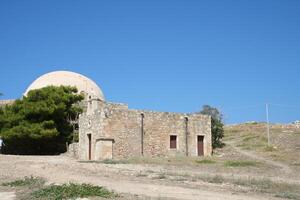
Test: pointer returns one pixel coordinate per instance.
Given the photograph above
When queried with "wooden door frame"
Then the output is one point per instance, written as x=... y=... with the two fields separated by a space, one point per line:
x=197 y=153
x=89 y=136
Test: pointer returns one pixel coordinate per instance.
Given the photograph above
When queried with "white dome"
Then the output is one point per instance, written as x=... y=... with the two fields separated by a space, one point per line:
x=66 y=78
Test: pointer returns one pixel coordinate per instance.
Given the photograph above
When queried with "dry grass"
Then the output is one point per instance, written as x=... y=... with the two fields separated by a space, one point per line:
x=264 y=185
x=26 y=182
x=252 y=137
x=241 y=163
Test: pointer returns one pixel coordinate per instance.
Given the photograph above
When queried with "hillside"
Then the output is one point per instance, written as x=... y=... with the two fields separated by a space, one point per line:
x=284 y=142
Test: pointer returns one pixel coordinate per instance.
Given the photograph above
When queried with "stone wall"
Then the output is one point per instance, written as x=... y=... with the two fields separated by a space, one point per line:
x=122 y=128
x=73 y=150
x=6 y=102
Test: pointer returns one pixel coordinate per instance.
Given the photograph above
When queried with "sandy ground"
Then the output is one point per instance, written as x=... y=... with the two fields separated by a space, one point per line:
x=7 y=195
x=62 y=169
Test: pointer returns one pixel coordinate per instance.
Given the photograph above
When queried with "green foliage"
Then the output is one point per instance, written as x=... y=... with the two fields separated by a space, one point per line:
x=217 y=129
x=38 y=123
x=27 y=181
x=72 y=191
x=205 y=161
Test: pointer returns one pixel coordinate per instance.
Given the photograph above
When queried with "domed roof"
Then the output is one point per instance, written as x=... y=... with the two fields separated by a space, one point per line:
x=67 y=78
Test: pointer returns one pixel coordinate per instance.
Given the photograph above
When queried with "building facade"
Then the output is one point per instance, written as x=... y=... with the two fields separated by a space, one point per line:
x=112 y=131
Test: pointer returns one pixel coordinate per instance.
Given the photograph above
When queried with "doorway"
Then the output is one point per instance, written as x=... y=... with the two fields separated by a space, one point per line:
x=104 y=149
x=200 y=145
x=90 y=146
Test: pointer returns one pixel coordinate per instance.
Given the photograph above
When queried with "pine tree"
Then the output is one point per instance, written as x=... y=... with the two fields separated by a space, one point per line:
x=38 y=123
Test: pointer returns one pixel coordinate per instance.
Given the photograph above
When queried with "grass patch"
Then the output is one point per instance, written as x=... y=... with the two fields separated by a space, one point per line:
x=240 y=163
x=283 y=190
x=205 y=161
x=26 y=181
x=288 y=195
x=71 y=191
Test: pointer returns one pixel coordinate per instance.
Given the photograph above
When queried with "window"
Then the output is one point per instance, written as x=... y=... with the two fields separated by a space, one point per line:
x=173 y=141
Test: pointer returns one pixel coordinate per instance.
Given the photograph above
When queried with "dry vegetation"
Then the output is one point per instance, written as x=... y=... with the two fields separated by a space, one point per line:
x=285 y=141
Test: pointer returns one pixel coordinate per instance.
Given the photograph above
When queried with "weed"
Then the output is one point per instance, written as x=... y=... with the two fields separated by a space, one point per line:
x=288 y=195
x=71 y=190
x=26 y=181
x=240 y=163
x=205 y=161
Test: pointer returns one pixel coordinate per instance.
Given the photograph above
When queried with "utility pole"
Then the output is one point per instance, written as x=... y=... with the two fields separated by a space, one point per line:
x=268 y=126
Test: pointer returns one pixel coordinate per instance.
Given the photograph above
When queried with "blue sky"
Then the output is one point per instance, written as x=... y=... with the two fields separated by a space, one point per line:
x=161 y=55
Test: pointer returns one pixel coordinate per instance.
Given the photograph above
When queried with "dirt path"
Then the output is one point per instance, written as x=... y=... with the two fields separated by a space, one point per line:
x=284 y=168
x=7 y=195
x=58 y=169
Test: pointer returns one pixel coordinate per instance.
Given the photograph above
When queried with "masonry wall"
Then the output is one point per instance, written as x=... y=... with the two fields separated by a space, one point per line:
x=117 y=123
x=6 y=102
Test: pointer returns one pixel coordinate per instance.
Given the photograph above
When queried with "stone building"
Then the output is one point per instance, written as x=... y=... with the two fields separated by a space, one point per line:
x=6 y=102
x=112 y=131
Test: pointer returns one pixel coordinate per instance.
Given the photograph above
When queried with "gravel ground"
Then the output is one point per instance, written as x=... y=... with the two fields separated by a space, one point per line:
x=131 y=183
x=7 y=195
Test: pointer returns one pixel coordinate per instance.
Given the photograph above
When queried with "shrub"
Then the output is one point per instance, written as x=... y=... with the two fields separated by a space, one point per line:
x=72 y=190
